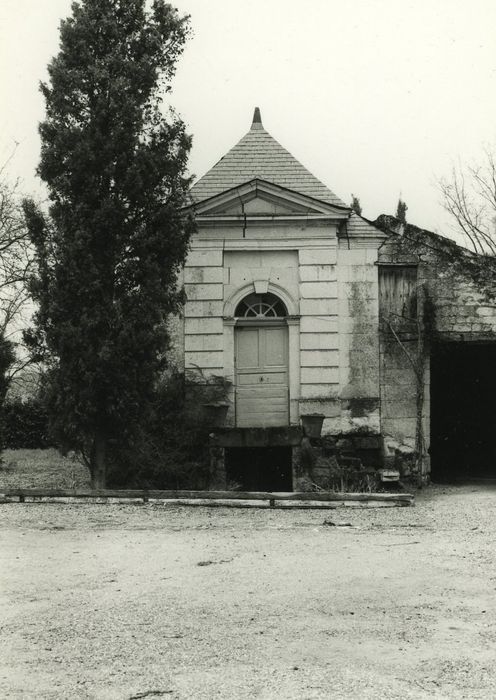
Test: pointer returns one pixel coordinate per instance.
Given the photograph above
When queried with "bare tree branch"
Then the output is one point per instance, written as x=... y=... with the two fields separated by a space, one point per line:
x=469 y=196
x=16 y=259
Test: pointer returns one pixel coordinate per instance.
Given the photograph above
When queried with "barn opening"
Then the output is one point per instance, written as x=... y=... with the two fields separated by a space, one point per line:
x=259 y=468
x=463 y=412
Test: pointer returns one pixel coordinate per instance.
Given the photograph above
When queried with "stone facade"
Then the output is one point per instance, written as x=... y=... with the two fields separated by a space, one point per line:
x=328 y=282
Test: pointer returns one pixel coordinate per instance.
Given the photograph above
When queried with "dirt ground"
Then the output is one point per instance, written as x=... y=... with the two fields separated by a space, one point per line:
x=129 y=601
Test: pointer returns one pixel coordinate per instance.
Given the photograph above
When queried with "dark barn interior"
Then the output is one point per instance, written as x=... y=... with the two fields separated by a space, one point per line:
x=463 y=411
x=260 y=468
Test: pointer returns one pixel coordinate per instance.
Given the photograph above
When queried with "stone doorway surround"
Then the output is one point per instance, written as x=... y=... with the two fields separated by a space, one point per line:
x=293 y=323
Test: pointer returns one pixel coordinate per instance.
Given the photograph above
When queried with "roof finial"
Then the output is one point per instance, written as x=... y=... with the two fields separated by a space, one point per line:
x=257 y=119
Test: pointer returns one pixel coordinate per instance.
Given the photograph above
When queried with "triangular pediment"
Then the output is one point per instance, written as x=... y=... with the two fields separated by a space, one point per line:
x=258 y=198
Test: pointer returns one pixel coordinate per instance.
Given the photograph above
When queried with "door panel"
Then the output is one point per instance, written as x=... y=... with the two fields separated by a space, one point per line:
x=275 y=347
x=248 y=354
x=262 y=396
x=261 y=378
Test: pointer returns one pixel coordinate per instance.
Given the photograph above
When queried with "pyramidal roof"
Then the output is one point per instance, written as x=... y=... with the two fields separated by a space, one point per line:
x=259 y=155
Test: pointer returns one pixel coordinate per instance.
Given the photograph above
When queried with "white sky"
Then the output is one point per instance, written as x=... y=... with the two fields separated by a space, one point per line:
x=375 y=97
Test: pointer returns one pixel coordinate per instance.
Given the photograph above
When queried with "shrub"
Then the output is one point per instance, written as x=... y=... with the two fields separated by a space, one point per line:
x=25 y=424
x=171 y=452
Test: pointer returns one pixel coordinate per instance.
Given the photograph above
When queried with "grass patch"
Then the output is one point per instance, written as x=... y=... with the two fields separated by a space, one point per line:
x=41 y=469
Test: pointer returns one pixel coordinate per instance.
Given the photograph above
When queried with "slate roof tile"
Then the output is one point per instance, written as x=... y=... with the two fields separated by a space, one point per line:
x=259 y=155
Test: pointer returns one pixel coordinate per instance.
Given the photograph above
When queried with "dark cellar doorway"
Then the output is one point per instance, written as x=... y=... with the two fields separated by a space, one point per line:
x=463 y=411
x=260 y=468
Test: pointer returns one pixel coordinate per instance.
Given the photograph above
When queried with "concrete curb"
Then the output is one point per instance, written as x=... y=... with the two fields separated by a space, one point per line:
x=231 y=499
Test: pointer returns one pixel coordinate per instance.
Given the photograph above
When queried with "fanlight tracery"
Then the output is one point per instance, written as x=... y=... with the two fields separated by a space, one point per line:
x=261 y=306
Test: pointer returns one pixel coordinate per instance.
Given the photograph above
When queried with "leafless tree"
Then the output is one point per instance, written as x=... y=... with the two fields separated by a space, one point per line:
x=469 y=196
x=15 y=269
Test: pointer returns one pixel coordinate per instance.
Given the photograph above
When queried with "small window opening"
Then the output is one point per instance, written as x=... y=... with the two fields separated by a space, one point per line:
x=398 y=291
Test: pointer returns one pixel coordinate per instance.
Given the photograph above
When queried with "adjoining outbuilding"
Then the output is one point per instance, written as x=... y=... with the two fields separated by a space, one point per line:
x=386 y=331
x=438 y=306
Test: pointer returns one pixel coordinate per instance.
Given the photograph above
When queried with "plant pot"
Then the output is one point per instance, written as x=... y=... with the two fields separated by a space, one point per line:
x=216 y=413
x=312 y=424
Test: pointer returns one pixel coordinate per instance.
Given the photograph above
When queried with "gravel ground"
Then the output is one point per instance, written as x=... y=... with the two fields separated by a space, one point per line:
x=129 y=601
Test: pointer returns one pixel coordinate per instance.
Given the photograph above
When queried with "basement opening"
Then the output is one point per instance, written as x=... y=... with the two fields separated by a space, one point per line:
x=259 y=468
x=463 y=411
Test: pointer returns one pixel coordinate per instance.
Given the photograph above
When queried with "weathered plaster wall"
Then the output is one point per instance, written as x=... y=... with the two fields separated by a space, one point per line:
x=358 y=340
x=398 y=400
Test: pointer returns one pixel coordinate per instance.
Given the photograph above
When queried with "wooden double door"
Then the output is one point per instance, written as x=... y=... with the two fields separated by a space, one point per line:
x=262 y=387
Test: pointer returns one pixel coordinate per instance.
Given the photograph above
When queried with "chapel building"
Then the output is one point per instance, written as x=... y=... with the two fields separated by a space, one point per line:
x=294 y=300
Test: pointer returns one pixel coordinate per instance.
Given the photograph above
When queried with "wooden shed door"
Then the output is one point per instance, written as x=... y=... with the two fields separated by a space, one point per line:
x=262 y=395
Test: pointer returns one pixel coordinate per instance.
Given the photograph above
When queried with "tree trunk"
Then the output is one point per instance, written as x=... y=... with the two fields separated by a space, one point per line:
x=419 y=430
x=98 y=455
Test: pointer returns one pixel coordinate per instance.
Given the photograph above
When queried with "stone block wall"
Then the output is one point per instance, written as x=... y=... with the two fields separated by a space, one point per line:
x=463 y=309
x=203 y=327
x=319 y=340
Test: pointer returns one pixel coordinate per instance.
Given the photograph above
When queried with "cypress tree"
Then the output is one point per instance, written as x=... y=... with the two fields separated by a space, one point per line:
x=355 y=205
x=401 y=210
x=114 y=239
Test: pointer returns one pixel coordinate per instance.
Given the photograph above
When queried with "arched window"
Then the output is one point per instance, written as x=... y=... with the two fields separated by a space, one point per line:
x=261 y=306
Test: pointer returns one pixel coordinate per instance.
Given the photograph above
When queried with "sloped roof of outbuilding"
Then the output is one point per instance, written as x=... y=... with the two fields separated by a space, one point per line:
x=259 y=155
x=359 y=226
